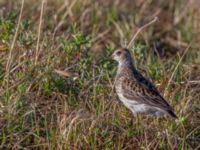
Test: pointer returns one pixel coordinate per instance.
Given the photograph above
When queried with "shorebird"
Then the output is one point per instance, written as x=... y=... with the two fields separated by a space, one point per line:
x=135 y=91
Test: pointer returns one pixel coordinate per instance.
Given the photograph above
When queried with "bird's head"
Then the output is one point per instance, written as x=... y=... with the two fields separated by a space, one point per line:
x=122 y=56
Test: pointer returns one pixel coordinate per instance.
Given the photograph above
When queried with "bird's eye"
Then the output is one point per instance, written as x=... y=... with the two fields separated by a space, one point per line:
x=118 y=53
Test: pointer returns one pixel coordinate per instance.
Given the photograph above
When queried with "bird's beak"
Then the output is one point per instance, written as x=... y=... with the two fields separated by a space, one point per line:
x=113 y=56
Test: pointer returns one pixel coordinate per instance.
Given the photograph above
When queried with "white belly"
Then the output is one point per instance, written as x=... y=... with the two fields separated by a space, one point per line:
x=133 y=105
x=136 y=107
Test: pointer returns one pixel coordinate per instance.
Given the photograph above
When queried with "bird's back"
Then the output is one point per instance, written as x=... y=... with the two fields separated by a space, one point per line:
x=139 y=94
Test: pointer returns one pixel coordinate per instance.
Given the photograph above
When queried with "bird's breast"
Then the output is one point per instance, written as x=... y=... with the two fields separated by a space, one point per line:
x=132 y=104
x=121 y=96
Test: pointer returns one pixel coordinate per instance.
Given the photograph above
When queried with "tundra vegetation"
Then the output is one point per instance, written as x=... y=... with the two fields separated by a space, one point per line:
x=57 y=76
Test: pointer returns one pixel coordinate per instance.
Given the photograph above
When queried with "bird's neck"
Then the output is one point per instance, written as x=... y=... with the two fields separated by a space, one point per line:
x=125 y=66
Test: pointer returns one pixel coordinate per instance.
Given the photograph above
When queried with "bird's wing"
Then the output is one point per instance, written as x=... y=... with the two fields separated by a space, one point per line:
x=143 y=91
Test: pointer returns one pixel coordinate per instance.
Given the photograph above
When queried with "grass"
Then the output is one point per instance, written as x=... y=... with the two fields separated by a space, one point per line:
x=56 y=73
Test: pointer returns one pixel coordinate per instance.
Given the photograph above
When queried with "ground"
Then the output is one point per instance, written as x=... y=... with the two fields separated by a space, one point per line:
x=57 y=75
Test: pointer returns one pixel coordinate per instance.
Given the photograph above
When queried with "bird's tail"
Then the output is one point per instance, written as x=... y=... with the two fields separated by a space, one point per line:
x=171 y=114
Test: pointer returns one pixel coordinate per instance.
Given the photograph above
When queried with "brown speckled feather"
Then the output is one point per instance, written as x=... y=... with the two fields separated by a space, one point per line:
x=136 y=91
x=139 y=88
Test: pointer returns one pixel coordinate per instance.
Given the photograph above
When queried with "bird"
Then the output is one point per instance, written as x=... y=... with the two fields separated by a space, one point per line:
x=135 y=91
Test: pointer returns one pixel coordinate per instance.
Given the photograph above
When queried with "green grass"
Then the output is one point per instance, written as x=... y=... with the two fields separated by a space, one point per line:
x=66 y=100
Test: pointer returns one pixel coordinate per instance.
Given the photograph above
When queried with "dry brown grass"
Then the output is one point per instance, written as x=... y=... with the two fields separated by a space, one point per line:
x=56 y=91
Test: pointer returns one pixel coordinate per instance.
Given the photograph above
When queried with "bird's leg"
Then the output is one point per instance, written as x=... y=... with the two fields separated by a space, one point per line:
x=137 y=121
x=156 y=120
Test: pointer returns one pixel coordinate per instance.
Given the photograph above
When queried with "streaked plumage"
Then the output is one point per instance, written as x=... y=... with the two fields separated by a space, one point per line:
x=135 y=91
